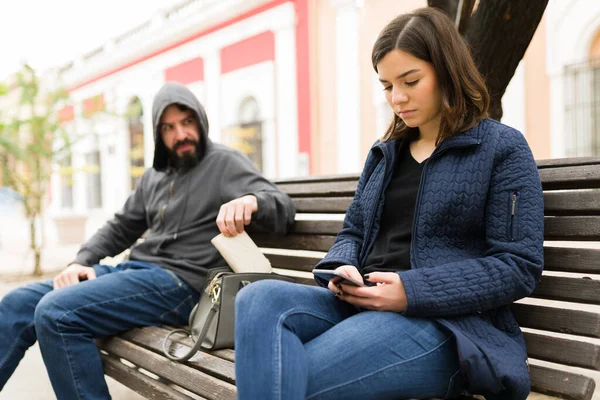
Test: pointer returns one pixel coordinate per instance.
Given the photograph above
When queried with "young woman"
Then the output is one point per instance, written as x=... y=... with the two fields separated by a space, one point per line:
x=447 y=223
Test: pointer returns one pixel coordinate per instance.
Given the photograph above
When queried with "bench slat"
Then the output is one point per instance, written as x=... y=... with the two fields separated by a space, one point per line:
x=577 y=177
x=572 y=228
x=572 y=260
x=562 y=259
x=322 y=204
x=318 y=227
x=306 y=264
x=552 y=319
x=572 y=203
x=161 y=332
x=566 y=162
x=585 y=228
x=561 y=384
x=563 y=351
x=555 y=203
x=577 y=290
x=148 y=387
x=555 y=228
x=294 y=242
x=178 y=373
x=218 y=363
x=152 y=338
x=318 y=178
x=319 y=189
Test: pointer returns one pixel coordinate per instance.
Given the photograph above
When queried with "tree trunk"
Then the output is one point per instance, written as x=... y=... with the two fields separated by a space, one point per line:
x=498 y=33
x=37 y=269
x=37 y=251
x=466 y=10
x=450 y=7
x=38 y=194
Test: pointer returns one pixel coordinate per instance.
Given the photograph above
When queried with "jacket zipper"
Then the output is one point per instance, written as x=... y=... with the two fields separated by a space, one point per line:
x=512 y=215
x=412 y=258
x=164 y=207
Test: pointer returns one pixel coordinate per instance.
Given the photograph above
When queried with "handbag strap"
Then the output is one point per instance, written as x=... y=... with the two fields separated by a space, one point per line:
x=211 y=314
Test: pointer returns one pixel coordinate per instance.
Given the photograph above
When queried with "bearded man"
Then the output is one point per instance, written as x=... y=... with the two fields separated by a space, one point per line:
x=194 y=190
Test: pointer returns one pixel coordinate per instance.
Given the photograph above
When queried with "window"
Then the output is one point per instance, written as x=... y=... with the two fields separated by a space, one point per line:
x=582 y=108
x=66 y=182
x=246 y=136
x=135 y=114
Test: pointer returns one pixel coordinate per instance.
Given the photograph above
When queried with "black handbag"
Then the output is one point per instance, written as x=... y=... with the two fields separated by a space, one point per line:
x=211 y=321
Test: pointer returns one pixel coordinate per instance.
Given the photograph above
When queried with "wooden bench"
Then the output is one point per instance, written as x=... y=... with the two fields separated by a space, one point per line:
x=560 y=320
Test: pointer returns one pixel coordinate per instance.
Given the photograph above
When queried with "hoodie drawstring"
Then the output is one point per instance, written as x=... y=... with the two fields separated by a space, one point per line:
x=173 y=236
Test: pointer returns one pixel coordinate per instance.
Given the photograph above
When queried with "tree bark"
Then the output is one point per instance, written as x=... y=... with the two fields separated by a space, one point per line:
x=450 y=7
x=498 y=33
x=465 y=15
x=37 y=253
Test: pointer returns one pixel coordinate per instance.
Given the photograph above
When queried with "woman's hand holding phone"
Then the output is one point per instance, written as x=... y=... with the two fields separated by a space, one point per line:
x=387 y=294
x=349 y=276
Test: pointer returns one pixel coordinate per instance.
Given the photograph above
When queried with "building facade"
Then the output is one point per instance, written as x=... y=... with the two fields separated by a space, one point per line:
x=290 y=83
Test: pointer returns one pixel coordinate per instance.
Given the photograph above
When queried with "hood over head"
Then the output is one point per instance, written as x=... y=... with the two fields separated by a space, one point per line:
x=176 y=93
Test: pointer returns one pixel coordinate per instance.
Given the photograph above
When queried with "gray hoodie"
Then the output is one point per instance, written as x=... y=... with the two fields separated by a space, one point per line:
x=177 y=211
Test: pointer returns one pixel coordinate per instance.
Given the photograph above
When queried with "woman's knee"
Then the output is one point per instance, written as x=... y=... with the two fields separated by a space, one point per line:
x=263 y=296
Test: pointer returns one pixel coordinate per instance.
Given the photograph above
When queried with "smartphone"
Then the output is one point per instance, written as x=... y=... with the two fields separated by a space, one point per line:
x=329 y=274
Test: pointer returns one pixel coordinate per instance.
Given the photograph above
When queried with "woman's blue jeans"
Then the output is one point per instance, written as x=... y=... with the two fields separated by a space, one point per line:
x=66 y=321
x=299 y=342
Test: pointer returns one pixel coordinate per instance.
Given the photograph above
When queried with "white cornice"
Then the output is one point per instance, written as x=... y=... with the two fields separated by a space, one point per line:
x=345 y=3
x=154 y=35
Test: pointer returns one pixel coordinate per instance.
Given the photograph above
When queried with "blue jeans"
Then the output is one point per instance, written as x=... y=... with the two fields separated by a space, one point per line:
x=66 y=321
x=298 y=342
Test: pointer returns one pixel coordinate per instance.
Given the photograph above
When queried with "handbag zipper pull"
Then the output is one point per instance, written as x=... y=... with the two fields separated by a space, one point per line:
x=215 y=292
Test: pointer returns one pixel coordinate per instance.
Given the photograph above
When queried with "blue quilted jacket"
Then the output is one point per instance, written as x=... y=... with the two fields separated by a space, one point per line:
x=476 y=246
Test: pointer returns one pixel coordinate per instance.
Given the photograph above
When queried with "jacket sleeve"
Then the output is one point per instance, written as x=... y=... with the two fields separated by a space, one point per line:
x=276 y=211
x=512 y=264
x=119 y=233
x=349 y=241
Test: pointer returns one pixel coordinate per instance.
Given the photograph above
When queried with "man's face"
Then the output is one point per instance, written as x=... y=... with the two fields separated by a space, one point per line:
x=180 y=134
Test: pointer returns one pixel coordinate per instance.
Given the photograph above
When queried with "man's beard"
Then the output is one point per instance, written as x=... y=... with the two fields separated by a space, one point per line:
x=187 y=160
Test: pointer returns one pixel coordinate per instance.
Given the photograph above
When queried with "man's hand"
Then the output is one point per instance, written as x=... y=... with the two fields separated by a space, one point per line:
x=72 y=274
x=237 y=213
x=387 y=295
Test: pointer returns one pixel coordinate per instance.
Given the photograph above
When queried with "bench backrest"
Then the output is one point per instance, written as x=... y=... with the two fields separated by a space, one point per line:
x=561 y=315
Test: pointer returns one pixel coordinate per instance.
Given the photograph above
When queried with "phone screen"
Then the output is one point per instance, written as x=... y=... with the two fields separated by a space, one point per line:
x=331 y=274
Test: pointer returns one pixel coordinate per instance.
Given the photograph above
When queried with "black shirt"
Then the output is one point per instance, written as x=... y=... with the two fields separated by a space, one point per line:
x=391 y=251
